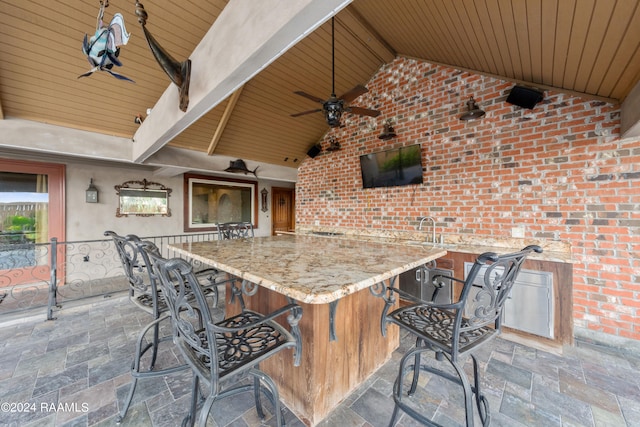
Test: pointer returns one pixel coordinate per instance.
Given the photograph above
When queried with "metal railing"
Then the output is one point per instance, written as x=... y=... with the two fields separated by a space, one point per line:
x=35 y=276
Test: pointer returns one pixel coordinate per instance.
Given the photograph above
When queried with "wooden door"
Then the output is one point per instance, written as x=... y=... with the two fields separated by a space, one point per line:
x=283 y=209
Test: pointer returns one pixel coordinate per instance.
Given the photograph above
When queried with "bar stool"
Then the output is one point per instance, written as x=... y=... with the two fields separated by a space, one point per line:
x=145 y=294
x=223 y=354
x=235 y=230
x=230 y=231
x=453 y=331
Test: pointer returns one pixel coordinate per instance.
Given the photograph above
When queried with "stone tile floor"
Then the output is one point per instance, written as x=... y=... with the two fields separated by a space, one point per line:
x=74 y=371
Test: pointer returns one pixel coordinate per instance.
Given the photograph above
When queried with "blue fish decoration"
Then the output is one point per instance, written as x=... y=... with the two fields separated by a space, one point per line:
x=103 y=48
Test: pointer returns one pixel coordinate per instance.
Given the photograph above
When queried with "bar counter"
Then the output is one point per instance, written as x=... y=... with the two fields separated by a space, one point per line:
x=331 y=279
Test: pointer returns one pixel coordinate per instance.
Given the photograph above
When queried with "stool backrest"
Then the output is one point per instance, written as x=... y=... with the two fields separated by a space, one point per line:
x=142 y=284
x=132 y=264
x=484 y=296
x=190 y=315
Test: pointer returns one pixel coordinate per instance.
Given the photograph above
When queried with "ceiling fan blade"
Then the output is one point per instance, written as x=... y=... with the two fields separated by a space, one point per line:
x=306 y=112
x=363 y=111
x=311 y=97
x=354 y=93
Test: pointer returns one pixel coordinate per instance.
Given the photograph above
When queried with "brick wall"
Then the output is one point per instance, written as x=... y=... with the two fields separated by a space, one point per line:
x=560 y=170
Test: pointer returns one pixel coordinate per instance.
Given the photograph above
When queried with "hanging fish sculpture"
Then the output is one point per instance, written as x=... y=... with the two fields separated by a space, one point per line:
x=103 y=48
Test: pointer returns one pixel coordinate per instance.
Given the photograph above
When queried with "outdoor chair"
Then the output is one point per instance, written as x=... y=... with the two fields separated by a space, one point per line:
x=224 y=355
x=235 y=230
x=453 y=331
x=145 y=293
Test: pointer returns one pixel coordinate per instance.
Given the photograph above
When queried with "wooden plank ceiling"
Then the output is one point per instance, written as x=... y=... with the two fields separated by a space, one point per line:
x=589 y=47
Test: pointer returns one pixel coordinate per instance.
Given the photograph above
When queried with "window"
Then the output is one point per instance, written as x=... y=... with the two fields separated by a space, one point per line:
x=210 y=200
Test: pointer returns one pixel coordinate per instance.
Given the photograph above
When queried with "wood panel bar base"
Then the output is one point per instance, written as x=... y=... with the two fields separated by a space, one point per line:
x=329 y=370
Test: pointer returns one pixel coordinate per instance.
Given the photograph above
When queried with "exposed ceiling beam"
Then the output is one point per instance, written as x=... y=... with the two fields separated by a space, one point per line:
x=231 y=104
x=30 y=136
x=247 y=36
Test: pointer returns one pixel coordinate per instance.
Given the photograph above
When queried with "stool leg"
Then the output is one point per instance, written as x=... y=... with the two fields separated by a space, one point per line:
x=394 y=416
x=481 y=402
x=137 y=372
x=468 y=392
x=135 y=365
x=416 y=369
x=256 y=394
x=156 y=343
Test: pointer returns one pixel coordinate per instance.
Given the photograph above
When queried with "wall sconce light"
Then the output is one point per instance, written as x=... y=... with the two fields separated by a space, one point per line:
x=263 y=194
x=334 y=145
x=91 y=194
x=388 y=131
x=474 y=111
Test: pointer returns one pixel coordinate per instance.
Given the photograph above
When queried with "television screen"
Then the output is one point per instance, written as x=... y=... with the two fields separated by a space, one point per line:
x=400 y=166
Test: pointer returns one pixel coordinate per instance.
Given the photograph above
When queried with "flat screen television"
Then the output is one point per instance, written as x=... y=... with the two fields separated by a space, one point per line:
x=390 y=168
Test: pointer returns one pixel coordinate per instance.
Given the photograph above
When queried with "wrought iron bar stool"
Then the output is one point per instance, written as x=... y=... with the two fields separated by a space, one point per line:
x=230 y=231
x=235 y=230
x=454 y=330
x=223 y=354
x=145 y=293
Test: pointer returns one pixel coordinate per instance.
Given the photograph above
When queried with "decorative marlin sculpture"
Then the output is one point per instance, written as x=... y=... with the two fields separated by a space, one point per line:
x=178 y=72
x=103 y=48
x=239 y=166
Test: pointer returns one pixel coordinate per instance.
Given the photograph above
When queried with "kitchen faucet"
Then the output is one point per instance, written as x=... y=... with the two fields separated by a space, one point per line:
x=433 y=228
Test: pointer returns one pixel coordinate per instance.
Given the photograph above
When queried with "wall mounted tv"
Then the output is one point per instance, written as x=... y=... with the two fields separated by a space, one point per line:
x=390 y=168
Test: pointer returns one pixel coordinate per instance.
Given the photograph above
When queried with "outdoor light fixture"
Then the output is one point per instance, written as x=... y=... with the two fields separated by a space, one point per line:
x=91 y=194
x=264 y=193
x=333 y=111
x=388 y=131
x=474 y=111
x=334 y=145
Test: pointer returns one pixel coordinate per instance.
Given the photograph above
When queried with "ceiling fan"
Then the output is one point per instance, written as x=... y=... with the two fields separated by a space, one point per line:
x=334 y=106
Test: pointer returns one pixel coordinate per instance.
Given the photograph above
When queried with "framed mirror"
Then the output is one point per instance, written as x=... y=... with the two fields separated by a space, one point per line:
x=143 y=198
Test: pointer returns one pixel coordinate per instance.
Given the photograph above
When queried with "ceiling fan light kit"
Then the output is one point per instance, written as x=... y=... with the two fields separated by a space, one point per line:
x=333 y=109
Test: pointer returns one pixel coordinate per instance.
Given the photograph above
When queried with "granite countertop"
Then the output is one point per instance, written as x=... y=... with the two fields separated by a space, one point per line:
x=307 y=268
x=554 y=251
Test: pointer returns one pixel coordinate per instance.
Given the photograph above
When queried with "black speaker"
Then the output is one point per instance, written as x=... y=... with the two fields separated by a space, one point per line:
x=524 y=97
x=314 y=151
